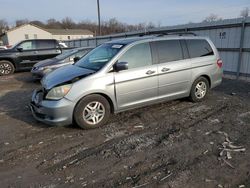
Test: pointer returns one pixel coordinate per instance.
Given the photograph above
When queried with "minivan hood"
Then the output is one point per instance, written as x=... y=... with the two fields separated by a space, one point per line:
x=65 y=74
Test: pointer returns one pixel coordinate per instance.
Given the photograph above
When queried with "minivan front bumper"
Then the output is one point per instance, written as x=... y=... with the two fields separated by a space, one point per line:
x=58 y=113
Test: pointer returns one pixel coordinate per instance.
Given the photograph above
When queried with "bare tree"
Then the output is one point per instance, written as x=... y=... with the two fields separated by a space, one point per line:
x=212 y=18
x=53 y=24
x=68 y=23
x=245 y=12
x=87 y=24
x=110 y=26
x=113 y=26
x=38 y=23
x=21 y=22
x=150 y=25
x=159 y=24
x=3 y=26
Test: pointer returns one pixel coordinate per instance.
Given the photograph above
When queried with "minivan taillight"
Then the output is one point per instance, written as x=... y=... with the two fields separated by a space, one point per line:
x=219 y=63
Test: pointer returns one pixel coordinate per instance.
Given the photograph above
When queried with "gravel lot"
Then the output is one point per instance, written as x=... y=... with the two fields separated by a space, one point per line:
x=172 y=144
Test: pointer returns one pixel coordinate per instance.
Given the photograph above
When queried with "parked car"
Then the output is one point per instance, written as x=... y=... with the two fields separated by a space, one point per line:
x=25 y=54
x=63 y=45
x=3 y=48
x=67 y=57
x=126 y=74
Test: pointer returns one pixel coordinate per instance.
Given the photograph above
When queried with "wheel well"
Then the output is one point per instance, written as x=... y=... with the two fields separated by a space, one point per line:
x=208 y=79
x=10 y=60
x=106 y=97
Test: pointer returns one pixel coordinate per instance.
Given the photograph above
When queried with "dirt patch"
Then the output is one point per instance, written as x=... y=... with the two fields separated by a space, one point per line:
x=172 y=144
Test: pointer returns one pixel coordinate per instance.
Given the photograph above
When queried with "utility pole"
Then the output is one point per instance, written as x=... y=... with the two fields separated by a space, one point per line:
x=99 y=19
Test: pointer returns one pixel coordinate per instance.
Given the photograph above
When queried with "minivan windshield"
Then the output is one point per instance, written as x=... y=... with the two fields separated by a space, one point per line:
x=99 y=57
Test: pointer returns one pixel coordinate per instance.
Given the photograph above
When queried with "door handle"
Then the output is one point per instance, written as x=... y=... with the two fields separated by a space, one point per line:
x=165 y=69
x=35 y=52
x=149 y=72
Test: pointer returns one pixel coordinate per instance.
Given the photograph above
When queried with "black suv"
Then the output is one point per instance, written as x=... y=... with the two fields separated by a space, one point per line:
x=26 y=53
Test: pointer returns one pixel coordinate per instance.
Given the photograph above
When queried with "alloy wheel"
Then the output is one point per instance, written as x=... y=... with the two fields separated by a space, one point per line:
x=5 y=68
x=94 y=112
x=200 y=90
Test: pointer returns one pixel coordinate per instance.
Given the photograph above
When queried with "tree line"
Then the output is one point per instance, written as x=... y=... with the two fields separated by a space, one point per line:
x=110 y=26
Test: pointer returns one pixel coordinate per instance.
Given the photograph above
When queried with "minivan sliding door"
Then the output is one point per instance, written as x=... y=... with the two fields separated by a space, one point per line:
x=173 y=69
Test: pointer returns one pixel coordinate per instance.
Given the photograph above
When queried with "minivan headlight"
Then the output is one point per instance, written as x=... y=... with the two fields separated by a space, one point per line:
x=59 y=92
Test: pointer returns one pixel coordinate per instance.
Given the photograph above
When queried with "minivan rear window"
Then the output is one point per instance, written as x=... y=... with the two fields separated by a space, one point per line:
x=169 y=50
x=199 y=48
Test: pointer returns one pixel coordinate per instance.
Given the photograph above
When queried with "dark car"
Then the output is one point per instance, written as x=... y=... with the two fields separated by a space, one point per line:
x=67 y=57
x=26 y=53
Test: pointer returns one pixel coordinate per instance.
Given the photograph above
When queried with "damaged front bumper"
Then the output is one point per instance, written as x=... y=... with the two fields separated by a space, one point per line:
x=58 y=113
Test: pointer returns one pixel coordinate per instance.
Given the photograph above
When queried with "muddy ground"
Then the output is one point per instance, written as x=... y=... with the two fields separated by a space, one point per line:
x=173 y=144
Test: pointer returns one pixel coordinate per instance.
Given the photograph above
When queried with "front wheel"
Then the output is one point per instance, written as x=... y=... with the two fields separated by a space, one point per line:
x=199 y=89
x=6 y=68
x=92 y=111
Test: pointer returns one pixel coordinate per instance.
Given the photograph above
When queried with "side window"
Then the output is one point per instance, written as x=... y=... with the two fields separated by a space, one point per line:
x=137 y=56
x=70 y=58
x=169 y=50
x=81 y=53
x=199 y=48
x=45 y=44
x=27 y=45
x=184 y=49
x=102 y=55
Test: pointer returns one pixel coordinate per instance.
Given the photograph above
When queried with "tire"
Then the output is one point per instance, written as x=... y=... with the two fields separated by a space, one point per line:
x=92 y=111
x=6 y=68
x=199 y=89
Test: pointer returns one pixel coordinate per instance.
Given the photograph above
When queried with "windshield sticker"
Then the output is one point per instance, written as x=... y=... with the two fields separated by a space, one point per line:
x=117 y=46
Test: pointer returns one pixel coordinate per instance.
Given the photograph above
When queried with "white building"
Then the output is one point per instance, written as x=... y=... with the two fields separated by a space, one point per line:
x=31 y=31
x=69 y=34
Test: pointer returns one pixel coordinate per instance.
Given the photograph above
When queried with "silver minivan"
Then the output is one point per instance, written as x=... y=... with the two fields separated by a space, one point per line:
x=127 y=74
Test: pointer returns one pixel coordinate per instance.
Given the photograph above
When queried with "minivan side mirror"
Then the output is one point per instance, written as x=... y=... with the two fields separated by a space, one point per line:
x=20 y=49
x=119 y=66
x=76 y=59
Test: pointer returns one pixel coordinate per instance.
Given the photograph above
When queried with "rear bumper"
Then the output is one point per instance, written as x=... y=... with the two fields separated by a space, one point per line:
x=216 y=78
x=58 y=113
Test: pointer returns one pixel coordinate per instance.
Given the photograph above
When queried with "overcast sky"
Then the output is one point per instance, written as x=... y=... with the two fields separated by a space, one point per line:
x=165 y=12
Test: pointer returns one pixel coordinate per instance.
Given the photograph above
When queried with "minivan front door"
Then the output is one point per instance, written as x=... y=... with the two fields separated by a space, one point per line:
x=174 y=69
x=138 y=84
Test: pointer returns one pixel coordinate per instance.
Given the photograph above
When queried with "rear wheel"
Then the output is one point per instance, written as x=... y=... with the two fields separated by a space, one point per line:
x=199 y=89
x=6 y=68
x=92 y=111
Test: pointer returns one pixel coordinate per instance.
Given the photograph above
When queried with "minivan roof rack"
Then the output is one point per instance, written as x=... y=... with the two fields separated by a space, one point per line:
x=177 y=33
x=165 y=34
